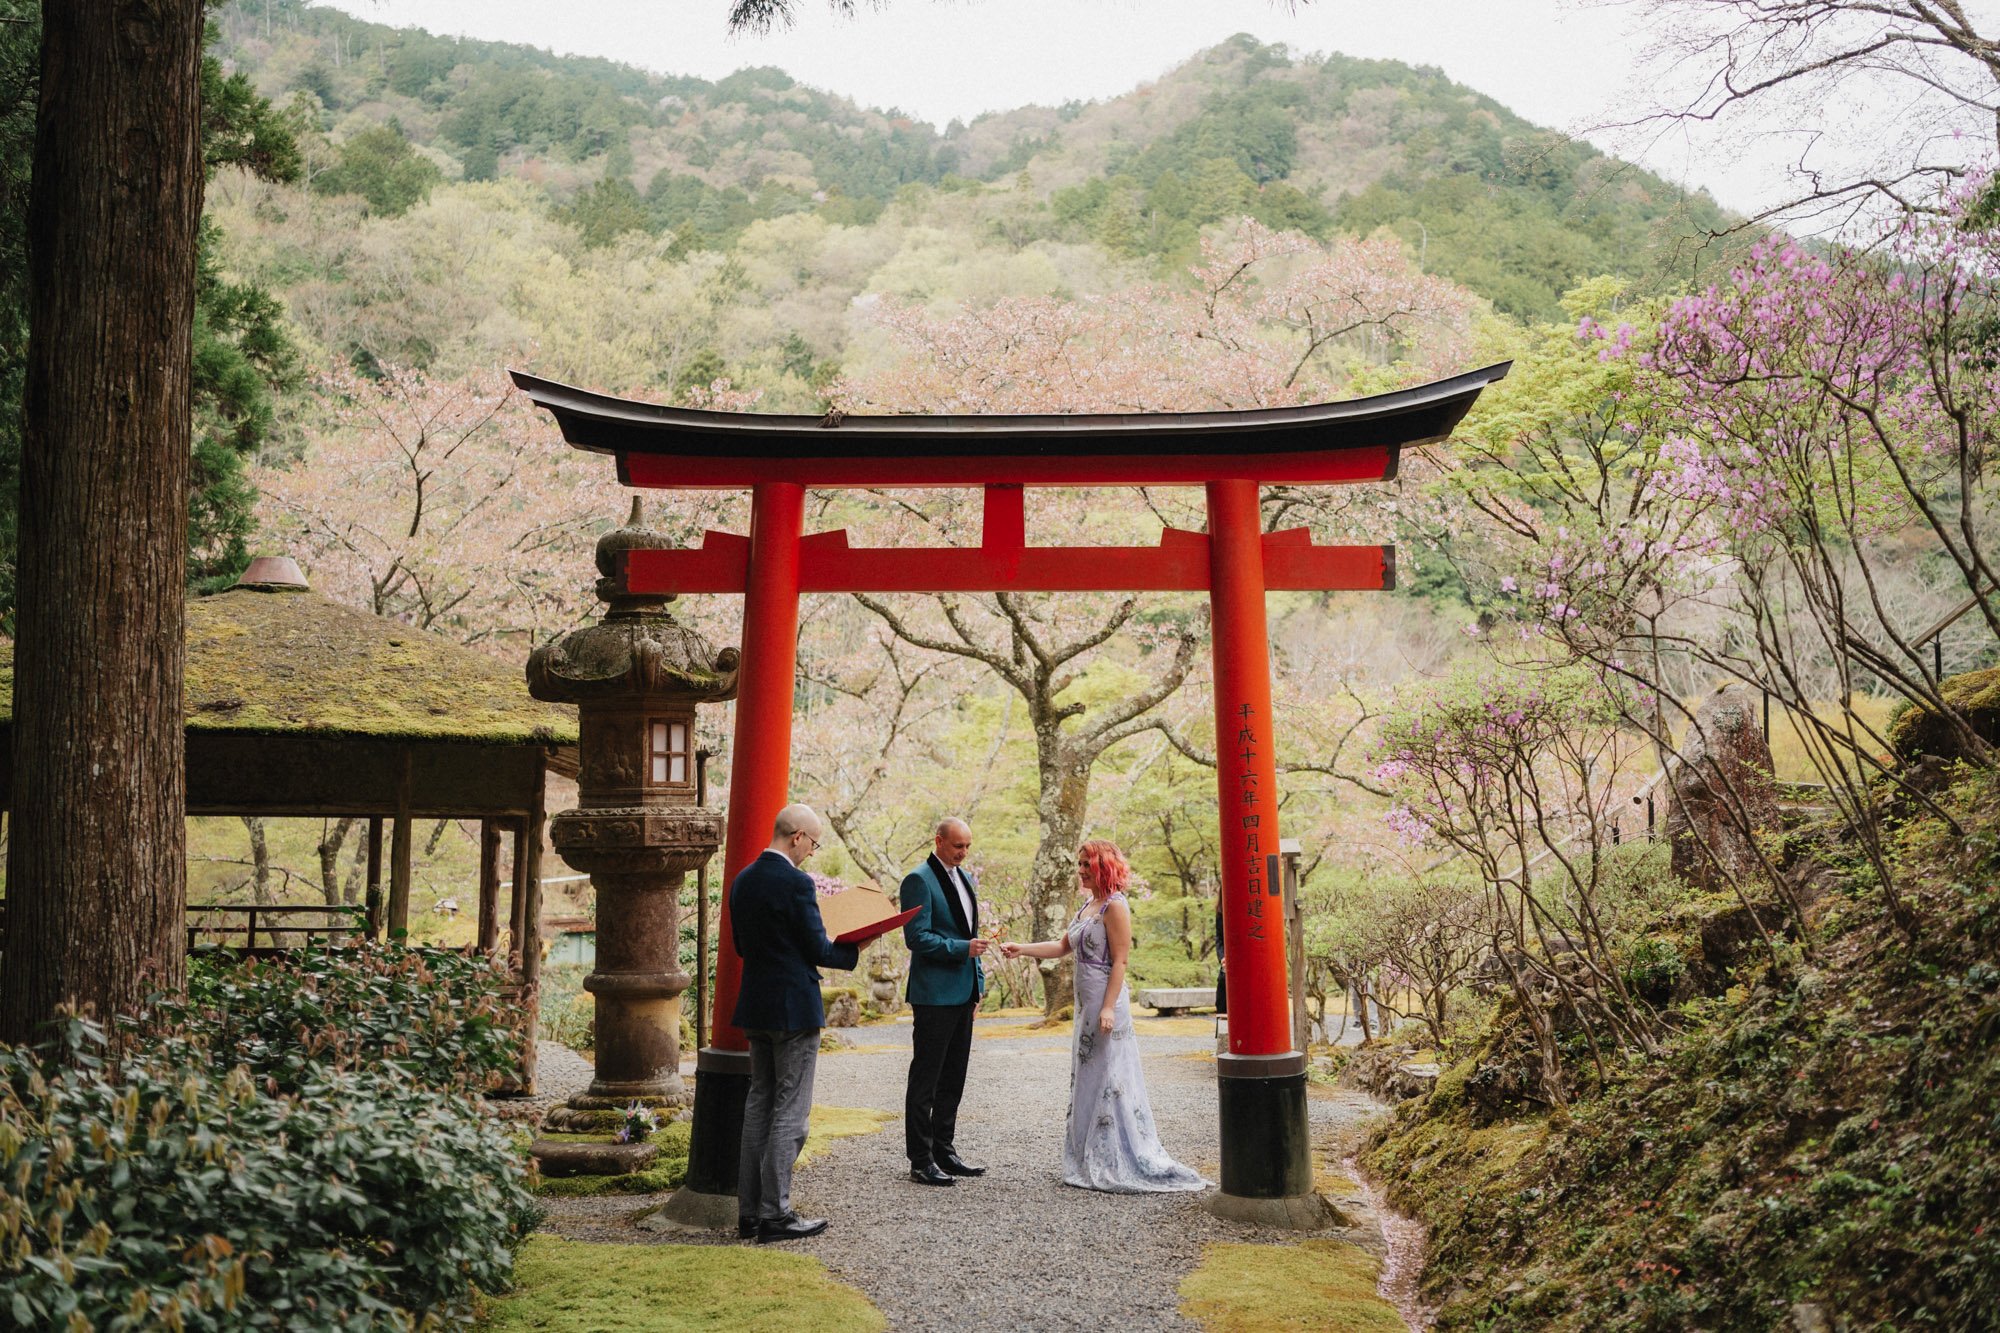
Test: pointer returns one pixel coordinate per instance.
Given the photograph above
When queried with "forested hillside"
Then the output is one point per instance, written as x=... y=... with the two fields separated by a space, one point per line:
x=1318 y=144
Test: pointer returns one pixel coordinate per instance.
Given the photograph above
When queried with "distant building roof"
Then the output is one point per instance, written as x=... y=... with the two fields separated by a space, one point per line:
x=277 y=660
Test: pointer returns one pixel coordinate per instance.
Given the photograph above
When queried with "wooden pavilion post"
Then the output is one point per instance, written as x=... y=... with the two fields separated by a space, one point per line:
x=400 y=855
x=489 y=885
x=517 y=895
x=529 y=875
x=373 y=897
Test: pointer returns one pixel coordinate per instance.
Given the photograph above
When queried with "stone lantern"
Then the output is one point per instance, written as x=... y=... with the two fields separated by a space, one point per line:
x=636 y=678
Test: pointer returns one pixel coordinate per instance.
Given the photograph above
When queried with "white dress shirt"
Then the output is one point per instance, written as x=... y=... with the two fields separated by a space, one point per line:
x=957 y=875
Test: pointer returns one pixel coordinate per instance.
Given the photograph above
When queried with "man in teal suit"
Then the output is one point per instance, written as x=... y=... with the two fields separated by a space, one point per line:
x=946 y=981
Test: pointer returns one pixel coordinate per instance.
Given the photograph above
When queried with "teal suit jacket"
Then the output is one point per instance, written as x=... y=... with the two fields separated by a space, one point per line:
x=942 y=968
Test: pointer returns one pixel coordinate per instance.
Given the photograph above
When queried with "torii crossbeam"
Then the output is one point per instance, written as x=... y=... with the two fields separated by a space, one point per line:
x=1265 y=1160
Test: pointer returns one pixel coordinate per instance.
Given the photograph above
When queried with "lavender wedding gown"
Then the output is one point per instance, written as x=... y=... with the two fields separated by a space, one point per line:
x=1112 y=1143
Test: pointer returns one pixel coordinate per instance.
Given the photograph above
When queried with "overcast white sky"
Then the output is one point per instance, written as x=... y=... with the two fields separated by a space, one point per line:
x=1560 y=63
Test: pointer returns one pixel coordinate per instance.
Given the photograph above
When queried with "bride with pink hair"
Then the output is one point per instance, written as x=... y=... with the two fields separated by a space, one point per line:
x=1112 y=1143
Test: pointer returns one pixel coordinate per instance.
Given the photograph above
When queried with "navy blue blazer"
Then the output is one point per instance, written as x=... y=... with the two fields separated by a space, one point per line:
x=774 y=920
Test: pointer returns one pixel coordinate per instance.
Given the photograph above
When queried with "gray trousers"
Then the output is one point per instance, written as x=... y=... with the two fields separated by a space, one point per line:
x=774 y=1119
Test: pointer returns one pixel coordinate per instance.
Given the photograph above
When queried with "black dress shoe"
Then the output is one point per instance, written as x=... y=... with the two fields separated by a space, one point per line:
x=793 y=1227
x=746 y=1228
x=949 y=1162
x=925 y=1173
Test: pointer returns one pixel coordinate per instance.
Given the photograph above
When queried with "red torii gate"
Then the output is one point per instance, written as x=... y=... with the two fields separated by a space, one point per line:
x=1265 y=1161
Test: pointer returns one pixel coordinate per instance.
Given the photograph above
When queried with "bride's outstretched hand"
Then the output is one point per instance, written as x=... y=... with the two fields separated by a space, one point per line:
x=1009 y=949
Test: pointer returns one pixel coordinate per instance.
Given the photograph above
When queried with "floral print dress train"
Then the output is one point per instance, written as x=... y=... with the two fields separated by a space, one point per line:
x=1112 y=1143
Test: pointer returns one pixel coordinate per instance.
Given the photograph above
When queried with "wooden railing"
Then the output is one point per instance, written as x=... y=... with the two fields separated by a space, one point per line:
x=214 y=921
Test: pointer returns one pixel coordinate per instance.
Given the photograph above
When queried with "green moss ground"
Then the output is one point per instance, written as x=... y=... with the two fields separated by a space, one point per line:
x=669 y=1169
x=566 y=1286
x=1326 y=1286
x=1828 y=1132
x=839 y=1122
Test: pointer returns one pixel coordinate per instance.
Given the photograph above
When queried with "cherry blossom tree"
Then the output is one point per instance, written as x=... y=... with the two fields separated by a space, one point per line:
x=449 y=505
x=1779 y=481
x=1266 y=318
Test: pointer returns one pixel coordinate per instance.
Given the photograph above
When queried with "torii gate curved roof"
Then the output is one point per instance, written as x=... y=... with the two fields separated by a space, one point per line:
x=1357 y=439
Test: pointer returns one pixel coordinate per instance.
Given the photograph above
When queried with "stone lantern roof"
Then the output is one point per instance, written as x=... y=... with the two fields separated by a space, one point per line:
x=638 y=648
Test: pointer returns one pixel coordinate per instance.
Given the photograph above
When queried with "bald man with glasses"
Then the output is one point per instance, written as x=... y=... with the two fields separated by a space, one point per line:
x=775 y=923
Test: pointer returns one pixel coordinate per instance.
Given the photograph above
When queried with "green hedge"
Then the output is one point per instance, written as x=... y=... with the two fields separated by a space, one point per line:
x=290 y=1146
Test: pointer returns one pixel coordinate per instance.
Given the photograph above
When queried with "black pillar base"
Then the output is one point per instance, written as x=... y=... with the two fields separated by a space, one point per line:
x=706 y=1201
x=1266 y=1139
x=722 y=1082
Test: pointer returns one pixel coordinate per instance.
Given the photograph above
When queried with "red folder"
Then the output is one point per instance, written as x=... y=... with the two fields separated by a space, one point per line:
x=863 y=934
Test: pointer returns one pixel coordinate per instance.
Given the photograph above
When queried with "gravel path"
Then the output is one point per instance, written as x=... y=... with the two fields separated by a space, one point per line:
x=1016 y=1246
x=560 y=1073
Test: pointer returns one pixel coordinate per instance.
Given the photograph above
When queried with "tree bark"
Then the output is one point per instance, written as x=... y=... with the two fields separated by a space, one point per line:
x=260 y=860
x=1062 y=804
x=332 y=838
x=97 y=870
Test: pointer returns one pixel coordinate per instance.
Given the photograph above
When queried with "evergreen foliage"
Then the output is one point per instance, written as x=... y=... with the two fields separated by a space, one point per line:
x=291 y=1147
x=242 y=353
x=1516 y=213
x=380 y=165
x=1312 y=144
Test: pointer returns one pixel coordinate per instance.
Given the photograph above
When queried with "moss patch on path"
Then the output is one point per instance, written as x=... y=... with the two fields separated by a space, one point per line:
x=564 y=1286
x=866 y=1050
x=1318 y=1284
x=840 y=1122
x=669 y=1169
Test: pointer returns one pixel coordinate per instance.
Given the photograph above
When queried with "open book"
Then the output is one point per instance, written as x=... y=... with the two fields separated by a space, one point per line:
x=859 y=914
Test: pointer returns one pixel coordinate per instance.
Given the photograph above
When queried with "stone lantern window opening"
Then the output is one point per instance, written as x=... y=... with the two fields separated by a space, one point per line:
x=668 y=752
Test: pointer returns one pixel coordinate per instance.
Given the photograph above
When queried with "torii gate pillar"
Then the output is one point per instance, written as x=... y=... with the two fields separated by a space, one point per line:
x=759 y=772
x=1260 y=1081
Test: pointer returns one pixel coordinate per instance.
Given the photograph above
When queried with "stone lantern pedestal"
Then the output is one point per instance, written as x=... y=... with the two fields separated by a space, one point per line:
x=636 y=678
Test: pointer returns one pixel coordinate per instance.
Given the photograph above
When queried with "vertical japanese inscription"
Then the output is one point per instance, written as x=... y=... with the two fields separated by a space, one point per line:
x=1251 y=847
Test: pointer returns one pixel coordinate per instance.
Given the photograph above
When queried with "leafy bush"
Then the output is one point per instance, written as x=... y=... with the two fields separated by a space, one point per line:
x=152 y=1194
x=292 y=1144
x=436 y=1016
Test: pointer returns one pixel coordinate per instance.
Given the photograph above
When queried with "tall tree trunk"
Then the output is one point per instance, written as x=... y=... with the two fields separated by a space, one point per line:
x=97 y=871
x=1062 y=805
x=332 y=839
x=350 y=889
x=260 y=860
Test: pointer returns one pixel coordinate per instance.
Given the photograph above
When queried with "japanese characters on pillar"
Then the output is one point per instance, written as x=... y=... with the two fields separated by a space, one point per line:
x=1251 y=822
x=1253 y=921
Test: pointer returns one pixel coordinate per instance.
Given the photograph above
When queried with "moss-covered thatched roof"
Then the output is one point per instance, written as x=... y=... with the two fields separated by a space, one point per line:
x=290 y=662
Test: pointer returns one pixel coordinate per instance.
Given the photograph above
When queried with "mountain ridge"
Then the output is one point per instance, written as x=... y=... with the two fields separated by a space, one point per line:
x=1318 y=143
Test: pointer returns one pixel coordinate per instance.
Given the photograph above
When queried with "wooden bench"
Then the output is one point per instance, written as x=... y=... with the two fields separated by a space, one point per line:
x=1168 y=1002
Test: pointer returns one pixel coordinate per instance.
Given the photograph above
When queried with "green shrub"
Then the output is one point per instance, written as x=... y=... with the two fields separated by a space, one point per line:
x=164 y=1193
x=436 y=1015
